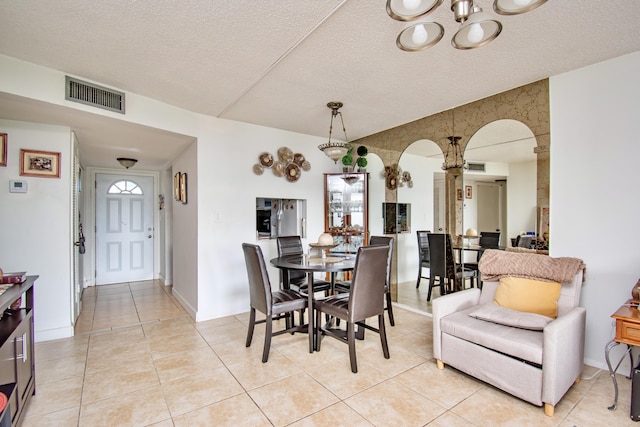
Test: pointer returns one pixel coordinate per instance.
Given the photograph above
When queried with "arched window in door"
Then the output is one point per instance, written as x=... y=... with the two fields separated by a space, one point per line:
x=125 y=187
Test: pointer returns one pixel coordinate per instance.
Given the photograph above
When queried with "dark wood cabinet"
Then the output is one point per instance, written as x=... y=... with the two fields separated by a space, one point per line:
x=17 y=366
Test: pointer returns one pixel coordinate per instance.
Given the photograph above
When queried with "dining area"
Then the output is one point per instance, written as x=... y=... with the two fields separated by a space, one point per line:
x=352 y=288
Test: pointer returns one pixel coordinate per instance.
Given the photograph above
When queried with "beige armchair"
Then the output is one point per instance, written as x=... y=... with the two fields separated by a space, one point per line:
x=533 y=357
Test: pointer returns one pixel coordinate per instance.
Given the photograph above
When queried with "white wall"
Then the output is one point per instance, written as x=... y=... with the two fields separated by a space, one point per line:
x=521 y=199
x=421 y=198
x=594 y=205
x=186 y=235
x=35 y=227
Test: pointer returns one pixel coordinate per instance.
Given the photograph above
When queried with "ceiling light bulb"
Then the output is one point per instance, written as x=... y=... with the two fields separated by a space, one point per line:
x=411 y=4
x=522 y=2
x=476 y=34
x=420 y=35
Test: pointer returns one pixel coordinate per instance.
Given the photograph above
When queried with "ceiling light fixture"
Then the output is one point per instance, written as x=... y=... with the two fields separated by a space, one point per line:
x=477 y=28
x=127 y=163
x=453 y=158
x=335 y=149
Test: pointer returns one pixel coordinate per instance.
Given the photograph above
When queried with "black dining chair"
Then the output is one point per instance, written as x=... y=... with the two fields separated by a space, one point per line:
x=346 y=286
x=487 y=240
x=524 y=241
x=444 y=267
x=292 y=245
x=423 y=254
x=275 y=305
x=365 y=300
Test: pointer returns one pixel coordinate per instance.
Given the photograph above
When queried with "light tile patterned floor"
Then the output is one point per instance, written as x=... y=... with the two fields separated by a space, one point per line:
x=138 y=359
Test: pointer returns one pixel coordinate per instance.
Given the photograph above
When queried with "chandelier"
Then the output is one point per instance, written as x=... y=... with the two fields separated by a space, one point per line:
x=477 y=28
x=453 y=158
x=335 y=149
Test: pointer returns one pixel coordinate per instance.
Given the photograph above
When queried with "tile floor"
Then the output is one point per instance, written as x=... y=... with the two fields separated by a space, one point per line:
x=138 y=359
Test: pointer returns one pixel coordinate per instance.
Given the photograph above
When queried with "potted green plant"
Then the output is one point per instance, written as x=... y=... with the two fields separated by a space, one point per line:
x=347 y=161
x=362 y=161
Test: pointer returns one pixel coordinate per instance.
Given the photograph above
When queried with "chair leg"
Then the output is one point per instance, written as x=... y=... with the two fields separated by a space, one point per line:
x=432 y=280
x=419 y=276
x=267 y=339
x=318 y=330
x=383 y=336
x=390 y=309
x=351 y=339
x=252 y=324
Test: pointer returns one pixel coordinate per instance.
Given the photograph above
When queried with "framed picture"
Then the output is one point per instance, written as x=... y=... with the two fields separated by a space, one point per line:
x=3 y=149
x=183 y=188
x=468 y=191
x=43 y=164
x=459 y=193
x=176 y=186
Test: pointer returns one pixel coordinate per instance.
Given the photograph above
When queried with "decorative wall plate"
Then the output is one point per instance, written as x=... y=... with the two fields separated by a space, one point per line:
x=266 y=159
x=292 y=172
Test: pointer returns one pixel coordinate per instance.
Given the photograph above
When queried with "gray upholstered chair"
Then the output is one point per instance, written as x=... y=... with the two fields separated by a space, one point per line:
x=292 y=245
x=346 y=286
x=364 y=300
x=275 y=305
x=533 y=357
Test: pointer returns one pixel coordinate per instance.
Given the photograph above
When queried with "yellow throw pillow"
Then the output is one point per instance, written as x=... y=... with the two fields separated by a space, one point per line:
x=531 y=296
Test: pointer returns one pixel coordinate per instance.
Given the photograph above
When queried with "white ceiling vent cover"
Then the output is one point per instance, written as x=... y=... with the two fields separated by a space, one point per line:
x=90 y=94
x=476 y=167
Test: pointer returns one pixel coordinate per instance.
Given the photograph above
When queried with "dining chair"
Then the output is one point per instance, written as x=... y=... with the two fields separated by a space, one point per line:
x=292 y=245
x=423 y=254
x=444 y=267
x=487 y=240
x=524 y=241
x=275 y=305
x=346 y=286
x=365 y=300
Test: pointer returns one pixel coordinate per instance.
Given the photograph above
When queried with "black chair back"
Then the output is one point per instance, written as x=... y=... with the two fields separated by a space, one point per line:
x=441 y=259
x=368 y=285
x=489 y=239
x=291 y=245
x=423 y=246
x=525 y=241
x=385 y=241
x=259 y=284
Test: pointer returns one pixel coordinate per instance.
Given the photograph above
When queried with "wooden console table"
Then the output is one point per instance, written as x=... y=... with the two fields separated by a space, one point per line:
x=17 y=365
x=627 y=332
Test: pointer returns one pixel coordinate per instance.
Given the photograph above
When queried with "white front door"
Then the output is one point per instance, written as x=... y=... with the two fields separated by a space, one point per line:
x=124 y=228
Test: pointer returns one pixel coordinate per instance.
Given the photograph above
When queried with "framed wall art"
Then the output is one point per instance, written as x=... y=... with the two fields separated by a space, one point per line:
x=3 y=149
x=176 y=186
x=43 y=164
x=183 y=188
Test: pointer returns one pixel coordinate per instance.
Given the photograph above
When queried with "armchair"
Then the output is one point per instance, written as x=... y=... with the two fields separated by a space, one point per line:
x=533 y=357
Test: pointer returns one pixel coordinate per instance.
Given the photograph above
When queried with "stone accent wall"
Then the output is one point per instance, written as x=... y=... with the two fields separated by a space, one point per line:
x=528 y=104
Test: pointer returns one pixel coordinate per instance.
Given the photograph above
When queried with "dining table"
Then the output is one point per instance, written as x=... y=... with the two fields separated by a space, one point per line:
x=330 y=263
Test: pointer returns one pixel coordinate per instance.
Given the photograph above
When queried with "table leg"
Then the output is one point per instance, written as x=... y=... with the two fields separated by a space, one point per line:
x=612 y=372
x=312 y=329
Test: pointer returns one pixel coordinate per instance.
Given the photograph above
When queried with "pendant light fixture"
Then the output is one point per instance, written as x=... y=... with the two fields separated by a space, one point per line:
x=477 y=27
x=335 y=149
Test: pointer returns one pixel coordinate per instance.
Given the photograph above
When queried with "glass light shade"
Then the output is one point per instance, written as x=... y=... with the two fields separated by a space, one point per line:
x=476 y=31
x=420 y=36
x=516 y=7
x=403 y=10
x=125 y=162
x=334 y=149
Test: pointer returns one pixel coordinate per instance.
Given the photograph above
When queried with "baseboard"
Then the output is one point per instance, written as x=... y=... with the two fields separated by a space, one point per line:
x=183 y=302
x=54 y=334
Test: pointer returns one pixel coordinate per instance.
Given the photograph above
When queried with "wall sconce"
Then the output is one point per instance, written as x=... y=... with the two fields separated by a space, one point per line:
x=126 y=162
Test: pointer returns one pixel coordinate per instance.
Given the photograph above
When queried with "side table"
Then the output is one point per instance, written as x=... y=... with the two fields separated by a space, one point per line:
x=627 y=332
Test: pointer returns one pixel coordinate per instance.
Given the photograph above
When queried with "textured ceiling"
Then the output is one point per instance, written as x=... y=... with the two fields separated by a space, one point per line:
x=278 y=63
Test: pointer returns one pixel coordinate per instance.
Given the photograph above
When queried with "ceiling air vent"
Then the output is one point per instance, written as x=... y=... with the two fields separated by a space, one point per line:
x=475 y=167
x=90 y=94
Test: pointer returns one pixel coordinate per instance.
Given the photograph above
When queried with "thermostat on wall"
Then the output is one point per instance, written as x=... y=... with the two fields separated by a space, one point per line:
x=17 y=186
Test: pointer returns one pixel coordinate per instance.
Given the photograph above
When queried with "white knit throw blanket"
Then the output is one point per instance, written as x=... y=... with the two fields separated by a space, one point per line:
x=495 y=264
